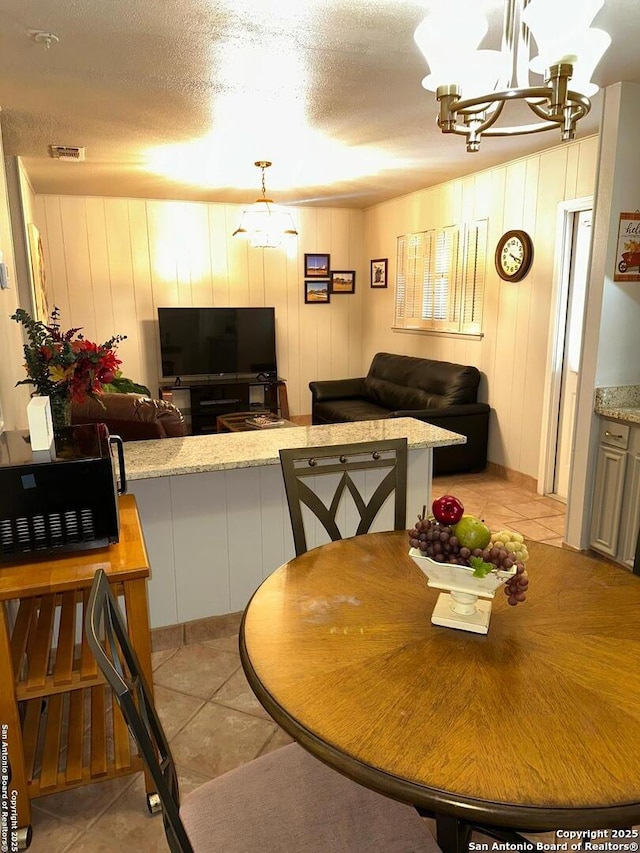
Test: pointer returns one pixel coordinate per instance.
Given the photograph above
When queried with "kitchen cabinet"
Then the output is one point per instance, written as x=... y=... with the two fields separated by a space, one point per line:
x=615 y=512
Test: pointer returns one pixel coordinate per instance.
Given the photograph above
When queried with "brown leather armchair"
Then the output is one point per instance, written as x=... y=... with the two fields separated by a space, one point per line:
x=133 y=417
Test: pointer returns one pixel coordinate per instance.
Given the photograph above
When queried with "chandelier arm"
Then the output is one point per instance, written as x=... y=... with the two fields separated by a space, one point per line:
x=578 y=104
x=491 y=118
x=467 y=128
x=522 y=129
x=467 y=105
x=516 y=130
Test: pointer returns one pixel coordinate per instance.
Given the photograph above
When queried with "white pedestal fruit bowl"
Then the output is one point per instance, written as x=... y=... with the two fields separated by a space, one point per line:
x=465 y=605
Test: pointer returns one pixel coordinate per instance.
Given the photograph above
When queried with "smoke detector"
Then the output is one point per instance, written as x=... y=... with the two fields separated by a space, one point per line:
x=67 y=152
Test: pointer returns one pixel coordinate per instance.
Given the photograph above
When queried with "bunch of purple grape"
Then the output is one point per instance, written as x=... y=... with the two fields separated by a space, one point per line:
x=439 y=542
x=516 y=587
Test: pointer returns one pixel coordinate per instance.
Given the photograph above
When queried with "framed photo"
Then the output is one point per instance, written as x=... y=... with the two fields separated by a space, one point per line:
x=317 y=266
x=317 y=291
x=38 y=275
x=343 y=281
x=379 y=272
x=628 y=251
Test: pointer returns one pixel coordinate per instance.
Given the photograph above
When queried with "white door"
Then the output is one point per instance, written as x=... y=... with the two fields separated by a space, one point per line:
x=580 y=247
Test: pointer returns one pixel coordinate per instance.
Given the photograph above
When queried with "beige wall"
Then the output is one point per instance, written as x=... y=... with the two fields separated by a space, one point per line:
x=13 y=401
x=517 y=317
x=112 y=262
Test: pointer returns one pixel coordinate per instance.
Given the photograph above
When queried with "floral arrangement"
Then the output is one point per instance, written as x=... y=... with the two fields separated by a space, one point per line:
x=65 y=364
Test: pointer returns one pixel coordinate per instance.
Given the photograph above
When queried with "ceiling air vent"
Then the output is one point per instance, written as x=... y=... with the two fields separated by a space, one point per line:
x=66 y=152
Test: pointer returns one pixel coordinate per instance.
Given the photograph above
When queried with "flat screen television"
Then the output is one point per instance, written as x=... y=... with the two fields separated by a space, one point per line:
x=217 y=342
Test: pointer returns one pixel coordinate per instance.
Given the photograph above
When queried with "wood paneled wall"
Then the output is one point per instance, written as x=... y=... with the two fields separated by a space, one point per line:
x=512 y=355
x=113 y=261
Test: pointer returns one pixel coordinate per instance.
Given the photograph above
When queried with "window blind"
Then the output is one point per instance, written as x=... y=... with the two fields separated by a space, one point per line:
x=440 y=277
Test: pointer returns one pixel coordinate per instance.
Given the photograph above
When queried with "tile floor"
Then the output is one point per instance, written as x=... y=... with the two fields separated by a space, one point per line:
x=211 y=717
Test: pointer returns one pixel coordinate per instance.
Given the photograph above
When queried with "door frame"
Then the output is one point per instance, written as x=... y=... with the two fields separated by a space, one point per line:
x=555 y=352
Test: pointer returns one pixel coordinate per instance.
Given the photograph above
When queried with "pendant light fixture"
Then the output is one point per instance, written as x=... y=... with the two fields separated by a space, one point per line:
x=265 y=223
x=472 y=86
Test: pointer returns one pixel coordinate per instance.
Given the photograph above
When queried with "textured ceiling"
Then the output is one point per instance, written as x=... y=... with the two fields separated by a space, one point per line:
x=178 y=98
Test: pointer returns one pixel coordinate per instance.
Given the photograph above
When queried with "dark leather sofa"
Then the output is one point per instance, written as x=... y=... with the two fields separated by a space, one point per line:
x=439 y=392
x=133 y=417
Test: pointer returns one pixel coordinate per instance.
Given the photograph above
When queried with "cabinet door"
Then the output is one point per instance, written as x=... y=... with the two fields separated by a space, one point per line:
x=631 y=505
x=607 y=499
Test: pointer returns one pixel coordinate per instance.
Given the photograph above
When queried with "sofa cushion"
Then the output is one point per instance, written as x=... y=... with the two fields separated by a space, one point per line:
x=405 y=382
x=348 y=411
x=393 y=396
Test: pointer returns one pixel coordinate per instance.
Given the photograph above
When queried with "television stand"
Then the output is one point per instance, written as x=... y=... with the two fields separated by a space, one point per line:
x=212 y=398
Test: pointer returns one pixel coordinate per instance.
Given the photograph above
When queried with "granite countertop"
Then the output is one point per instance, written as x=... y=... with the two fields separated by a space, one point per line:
x=168 y=457
x=619 y=402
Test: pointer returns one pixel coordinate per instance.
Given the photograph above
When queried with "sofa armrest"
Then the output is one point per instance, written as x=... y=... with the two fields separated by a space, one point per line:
x=435 y=412
x=165 y=415
x=133 y=417
x=337 y=389
x=468 y=419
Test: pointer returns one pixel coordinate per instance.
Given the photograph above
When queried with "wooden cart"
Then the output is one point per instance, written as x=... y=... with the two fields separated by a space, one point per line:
x=59 y=723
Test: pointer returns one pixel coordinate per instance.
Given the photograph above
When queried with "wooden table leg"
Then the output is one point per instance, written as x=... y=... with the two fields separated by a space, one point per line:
x=135 y=596
x=452 y=834
x=283 y=400
x=14 y=796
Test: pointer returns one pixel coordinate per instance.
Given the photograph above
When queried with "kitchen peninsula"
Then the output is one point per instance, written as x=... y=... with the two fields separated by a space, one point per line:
x=214 y=511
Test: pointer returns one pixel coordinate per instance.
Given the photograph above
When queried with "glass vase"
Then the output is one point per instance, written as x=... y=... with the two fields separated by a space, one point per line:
x=60 y=411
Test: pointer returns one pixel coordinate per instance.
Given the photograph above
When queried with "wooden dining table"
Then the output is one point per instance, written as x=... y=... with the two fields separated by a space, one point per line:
x=533 y=727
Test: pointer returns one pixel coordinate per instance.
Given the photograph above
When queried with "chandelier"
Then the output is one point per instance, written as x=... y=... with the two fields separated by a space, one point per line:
x=472 y=86
x=265 y=223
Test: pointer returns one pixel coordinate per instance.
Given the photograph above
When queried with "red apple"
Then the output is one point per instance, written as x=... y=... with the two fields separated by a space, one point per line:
x=447 y=509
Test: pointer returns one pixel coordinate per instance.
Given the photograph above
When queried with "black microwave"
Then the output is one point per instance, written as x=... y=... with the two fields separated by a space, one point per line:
x=66 y=500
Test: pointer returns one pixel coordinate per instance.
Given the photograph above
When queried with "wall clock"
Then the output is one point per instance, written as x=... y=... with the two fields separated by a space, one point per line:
x=514 y=254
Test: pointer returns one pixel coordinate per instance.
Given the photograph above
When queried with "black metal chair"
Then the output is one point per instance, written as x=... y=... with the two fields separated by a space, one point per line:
x=300 y=464
x=285 y=800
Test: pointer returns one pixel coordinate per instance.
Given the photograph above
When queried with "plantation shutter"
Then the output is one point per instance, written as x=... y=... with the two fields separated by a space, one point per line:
x=413 y=249
x=440 y=279
x=474 y=274
x=446 y=279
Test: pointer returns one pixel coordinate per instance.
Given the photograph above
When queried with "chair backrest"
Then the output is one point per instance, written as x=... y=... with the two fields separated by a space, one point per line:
x=109 y=641
x=309 y=463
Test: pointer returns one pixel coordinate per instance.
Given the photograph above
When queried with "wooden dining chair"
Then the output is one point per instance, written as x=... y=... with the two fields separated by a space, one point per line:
x=303 y=470
x=284 y=801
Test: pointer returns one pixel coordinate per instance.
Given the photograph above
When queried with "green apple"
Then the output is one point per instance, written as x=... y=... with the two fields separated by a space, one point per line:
x=472 y=532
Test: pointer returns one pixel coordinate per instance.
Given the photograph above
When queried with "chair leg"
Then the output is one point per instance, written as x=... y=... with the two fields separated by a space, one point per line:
x=452 y=834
